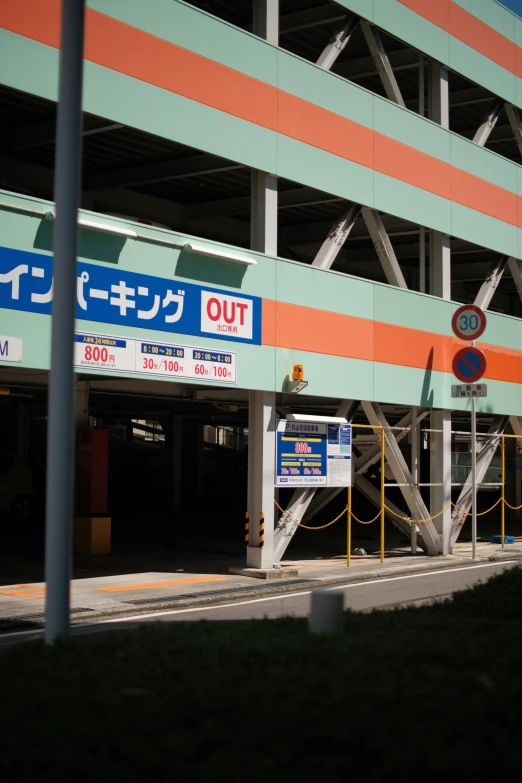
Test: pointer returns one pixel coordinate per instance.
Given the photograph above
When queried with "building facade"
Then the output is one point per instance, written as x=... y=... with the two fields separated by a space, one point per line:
x=277 y=182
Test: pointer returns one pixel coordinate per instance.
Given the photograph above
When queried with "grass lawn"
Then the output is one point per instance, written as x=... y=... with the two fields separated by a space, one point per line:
x=400 y=695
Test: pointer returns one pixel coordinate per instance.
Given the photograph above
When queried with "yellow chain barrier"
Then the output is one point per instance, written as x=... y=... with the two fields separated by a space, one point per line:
x=376 y=517
x=409 y=520
x=481 y=514
x=513 y=508
x=308 y=527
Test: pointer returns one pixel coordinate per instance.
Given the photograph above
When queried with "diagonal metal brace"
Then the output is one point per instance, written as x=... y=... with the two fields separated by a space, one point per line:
x=484 y=457
x=337 y=43
x=402 y=475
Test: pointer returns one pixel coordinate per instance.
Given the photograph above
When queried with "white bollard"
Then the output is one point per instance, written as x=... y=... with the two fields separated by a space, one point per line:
x=326 y=611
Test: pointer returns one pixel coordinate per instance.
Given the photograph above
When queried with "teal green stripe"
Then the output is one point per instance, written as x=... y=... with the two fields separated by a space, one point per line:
x=28 y=66
x=335 y=292
x=328 y=376
x=311 y=166
x=406 y=201
x=482 y=70
x=286 y=281
x=137 y=104
x=483 y=163
x=198 y=31
x=484 y=230
x=312 y=83
x=412 y=28
x=261 y=367
x=407 y=127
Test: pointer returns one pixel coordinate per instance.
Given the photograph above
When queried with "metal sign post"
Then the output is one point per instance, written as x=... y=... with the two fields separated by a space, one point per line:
x=60 y=421
x=473 y=479
x=469 y=365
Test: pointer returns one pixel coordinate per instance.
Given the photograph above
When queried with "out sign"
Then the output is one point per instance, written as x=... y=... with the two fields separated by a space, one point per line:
x=226 y=316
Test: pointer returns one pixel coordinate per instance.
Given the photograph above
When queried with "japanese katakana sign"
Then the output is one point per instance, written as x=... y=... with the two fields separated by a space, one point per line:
x=112 y=295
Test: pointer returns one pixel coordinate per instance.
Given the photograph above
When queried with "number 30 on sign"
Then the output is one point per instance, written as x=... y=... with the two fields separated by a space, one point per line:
x=468 y=322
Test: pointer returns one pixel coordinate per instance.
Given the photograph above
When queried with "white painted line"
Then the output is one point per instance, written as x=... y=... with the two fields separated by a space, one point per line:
x=280 y=597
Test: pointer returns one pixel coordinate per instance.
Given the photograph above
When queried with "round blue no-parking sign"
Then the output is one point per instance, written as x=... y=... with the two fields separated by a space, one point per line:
x=469 y=365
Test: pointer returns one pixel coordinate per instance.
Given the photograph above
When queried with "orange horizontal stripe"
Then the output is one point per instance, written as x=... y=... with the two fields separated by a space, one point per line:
x=120 y=47
x=166 y=583
x=302 y=328
x=461 y=24
x=23 y=594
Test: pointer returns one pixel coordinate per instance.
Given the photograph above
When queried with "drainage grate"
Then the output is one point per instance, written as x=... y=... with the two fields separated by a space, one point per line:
x=35 y=622
x=227 y=591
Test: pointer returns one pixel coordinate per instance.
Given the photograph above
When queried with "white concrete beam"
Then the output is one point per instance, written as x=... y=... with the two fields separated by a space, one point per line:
x=265 y=21
x=261 y=477
x=485 y=454
x=336 y=238
x=402 y=475
x=263 y=214
x=440 y=265
x=383 y=247
x=488 y=123
x=361 y=465
x=438 y=94
x=337 y=43
x=490 y=284
x=382 y=63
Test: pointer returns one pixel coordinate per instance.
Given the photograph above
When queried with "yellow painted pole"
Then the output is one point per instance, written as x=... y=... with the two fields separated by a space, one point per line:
x=349 y=528
x=503 y=501
x=382 y=494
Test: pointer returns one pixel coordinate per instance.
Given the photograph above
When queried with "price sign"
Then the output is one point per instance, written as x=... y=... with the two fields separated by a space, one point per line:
x=168 y=360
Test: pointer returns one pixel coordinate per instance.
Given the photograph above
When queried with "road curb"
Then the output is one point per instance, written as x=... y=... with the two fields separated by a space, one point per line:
x=236 y=595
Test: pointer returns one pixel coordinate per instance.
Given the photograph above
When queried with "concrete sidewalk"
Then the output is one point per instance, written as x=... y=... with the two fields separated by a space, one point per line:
x=207 y=581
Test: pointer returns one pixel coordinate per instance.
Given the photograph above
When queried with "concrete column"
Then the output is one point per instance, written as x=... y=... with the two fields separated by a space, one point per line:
x=440 y=265
x=265 y=21
x=261 y=477
x=263 y=219
x=263 y=216
x=438 y=94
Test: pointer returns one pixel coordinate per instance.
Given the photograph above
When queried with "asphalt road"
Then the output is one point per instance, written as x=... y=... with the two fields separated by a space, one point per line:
x=381 y=593
x=389 y=592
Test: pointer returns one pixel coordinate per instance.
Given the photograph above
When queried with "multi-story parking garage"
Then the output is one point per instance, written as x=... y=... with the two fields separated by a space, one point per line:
x=266 y=183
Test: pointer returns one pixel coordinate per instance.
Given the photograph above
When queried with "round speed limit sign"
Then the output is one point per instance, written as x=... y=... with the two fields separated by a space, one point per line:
x=468 y=322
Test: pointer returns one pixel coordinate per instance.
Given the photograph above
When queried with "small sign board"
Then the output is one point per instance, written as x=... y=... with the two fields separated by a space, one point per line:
x=468 y=322
x=459 y=391
x=313 y=454
x=10 y=349
x=469 y=364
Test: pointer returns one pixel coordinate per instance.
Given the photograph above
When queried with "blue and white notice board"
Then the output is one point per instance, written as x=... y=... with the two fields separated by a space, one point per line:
x=312 y=454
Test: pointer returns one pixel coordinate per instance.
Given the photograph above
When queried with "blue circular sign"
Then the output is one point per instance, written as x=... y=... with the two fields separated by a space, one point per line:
x=469 y=365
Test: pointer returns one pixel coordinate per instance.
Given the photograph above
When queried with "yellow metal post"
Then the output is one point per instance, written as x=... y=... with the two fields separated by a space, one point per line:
x=503 y=501
x=382 y=494
x=349 y=528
